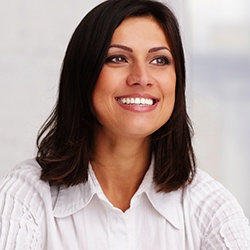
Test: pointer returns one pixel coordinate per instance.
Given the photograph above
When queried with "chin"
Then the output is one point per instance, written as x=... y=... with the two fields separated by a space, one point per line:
x=140 y=132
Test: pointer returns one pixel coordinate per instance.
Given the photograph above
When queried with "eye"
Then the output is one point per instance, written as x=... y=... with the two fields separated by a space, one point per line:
x=161 y=61
x=116 y=59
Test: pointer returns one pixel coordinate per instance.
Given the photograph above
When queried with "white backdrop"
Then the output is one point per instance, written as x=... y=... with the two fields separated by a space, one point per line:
x=33 y=39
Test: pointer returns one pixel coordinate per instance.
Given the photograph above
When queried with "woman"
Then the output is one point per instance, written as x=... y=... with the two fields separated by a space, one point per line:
x=115 y=167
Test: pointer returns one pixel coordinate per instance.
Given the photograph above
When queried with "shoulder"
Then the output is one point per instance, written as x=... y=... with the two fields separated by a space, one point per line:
x=209 y=197
x=24 y=200
x=206 y=197
x=25 y=173
x=30 y=167
x=206 y=192
x=23 y=185
x=219 y=217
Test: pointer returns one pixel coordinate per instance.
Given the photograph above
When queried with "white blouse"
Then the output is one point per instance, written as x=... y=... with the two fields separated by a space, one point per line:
x=204 y=215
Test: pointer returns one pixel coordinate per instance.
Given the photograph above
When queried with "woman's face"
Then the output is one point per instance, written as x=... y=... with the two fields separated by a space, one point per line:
x=135 y=92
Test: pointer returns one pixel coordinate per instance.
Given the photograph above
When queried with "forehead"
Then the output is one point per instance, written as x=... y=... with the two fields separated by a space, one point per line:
x=141 y=29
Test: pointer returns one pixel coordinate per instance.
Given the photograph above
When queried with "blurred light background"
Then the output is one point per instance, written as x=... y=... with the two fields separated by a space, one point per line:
x=216 y=34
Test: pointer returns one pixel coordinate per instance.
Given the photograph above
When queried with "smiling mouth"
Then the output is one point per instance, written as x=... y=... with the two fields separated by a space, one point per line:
x=137 y=101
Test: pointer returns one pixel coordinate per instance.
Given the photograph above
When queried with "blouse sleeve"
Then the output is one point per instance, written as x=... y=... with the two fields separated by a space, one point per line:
x=19 y=208
x=220 y=219
x=228 y=229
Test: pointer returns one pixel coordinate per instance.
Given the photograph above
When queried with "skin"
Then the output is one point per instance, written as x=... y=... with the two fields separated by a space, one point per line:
x=139 y=65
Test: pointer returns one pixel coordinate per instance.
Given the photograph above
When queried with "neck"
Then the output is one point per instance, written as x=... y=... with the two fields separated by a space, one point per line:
x=120 y=165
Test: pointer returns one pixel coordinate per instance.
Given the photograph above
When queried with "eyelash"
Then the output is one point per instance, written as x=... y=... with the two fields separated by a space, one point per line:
x=122 y=59
x=164 y=59
x=116 y=59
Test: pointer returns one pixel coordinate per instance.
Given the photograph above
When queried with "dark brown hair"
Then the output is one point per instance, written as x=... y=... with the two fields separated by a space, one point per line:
x=65 y=140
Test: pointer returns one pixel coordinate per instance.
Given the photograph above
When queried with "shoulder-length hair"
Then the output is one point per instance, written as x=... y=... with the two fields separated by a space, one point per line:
x=65 y=141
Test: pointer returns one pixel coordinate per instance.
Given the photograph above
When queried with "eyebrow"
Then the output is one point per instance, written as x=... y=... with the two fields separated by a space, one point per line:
x=159 y=48
x=121 y=47
x=155 y=49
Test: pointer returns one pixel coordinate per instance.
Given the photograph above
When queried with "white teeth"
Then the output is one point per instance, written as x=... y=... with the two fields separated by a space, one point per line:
x=136 y=101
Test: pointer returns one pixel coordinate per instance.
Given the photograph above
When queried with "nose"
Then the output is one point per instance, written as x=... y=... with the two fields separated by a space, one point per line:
x=139 y=75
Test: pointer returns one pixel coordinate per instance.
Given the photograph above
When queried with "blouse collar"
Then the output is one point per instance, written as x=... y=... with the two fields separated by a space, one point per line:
x=69 y=200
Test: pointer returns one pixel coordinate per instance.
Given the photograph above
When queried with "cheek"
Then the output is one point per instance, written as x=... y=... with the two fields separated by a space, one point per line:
x=171 y=93
x=98 y=100
x=99 y=90
x=102 y=97
x=108 y=84
x=168 y=86
x=168 y=90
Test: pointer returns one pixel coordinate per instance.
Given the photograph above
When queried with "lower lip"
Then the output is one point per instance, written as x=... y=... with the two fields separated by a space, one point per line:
x=138 y=108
